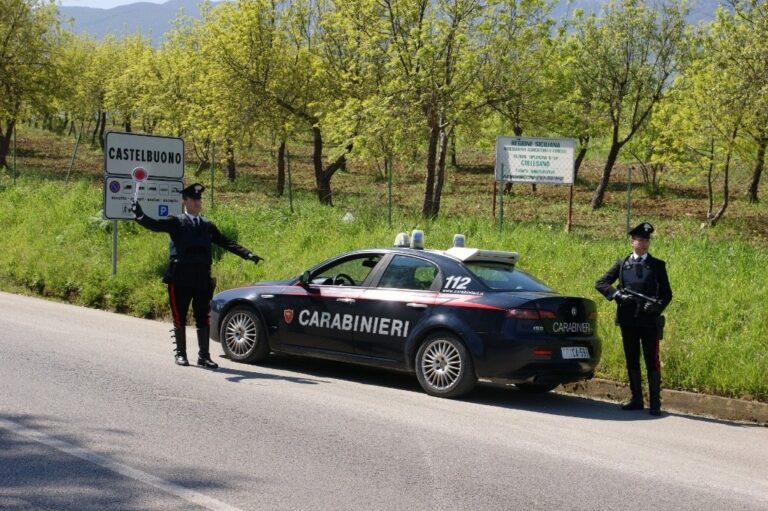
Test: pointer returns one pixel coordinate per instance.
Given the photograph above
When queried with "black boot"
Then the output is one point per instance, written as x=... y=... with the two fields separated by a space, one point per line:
x=180 y=336
x=654 y=391
x=203 y=357
x=636 y=387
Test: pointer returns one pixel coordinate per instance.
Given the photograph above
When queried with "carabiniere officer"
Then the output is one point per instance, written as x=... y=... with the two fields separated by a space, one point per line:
x=639 y=319
x=189 y=270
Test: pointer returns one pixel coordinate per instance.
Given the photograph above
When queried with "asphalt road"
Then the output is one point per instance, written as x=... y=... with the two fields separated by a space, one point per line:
x=95 y=415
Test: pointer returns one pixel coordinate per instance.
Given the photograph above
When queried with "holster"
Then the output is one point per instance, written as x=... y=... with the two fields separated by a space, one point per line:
x=170 y=272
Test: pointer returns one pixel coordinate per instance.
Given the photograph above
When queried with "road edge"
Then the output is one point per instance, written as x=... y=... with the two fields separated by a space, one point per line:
x=718 y=407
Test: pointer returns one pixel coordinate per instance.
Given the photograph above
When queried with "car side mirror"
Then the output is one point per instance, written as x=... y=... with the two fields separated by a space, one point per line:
x=304 y=279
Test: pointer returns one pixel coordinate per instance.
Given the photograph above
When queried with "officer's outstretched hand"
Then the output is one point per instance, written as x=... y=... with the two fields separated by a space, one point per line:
x=651 y=308
x=254 y=258
x=136 y=209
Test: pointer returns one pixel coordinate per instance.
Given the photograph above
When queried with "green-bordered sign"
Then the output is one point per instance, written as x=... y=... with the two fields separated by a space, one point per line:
x=535 y=160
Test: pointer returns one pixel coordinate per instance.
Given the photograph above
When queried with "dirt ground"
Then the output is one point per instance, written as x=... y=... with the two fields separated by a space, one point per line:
x=681 y=203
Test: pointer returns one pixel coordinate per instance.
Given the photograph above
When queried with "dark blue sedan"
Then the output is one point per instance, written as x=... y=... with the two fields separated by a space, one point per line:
x=450 y=316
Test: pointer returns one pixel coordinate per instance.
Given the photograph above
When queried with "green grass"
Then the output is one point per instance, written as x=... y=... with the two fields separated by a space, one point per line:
x=55 y=244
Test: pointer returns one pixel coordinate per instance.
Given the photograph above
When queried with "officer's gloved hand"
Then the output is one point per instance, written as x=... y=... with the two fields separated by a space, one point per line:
x=622 y=298
x=136 y=209
x=651 y=308
x=254 y=258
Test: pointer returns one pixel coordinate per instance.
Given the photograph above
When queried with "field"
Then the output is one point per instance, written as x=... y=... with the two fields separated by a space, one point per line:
x=56 y=244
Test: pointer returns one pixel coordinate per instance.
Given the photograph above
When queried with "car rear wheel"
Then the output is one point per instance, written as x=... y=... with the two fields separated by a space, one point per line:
x=444 y=367
x=534 y=388
x=242 y=336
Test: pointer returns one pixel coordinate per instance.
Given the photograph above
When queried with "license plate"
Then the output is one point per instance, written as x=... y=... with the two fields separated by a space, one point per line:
x=575 y=352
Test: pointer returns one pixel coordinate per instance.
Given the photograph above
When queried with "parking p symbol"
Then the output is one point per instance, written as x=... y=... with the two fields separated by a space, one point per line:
x=163 y=210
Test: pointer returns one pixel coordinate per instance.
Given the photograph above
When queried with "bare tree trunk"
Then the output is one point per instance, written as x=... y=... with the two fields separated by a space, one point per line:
x=102 y=127
x=281 y=169
x=230 y=155
x=599 y=195
x=759 y=165
x=454 y=158
x=429 y=183
x=203 y=156
x=95 y=132
x=5 y=141
x=584 y=146
x=726 y=171
x=323 y=185
x=442 y=152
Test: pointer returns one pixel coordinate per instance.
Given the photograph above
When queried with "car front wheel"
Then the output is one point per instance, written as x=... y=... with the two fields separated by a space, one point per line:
x=242 y=336
x=444 y=367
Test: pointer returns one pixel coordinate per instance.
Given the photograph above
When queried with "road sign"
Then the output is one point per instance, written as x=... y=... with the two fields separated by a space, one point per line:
x=160 y=157
x=159 y=198
x=535 y=160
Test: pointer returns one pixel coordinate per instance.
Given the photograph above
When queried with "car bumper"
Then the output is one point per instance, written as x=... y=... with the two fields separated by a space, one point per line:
x=537 y=361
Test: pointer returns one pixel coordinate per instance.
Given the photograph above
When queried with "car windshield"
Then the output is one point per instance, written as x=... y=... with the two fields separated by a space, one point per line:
x=504 y=277
x=350 y=271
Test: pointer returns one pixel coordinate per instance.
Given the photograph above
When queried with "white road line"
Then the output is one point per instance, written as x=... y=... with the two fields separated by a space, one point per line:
x=119 y=468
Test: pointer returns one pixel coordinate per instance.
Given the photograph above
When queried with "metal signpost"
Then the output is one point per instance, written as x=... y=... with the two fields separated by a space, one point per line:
x=536 y=160
x=143 y=168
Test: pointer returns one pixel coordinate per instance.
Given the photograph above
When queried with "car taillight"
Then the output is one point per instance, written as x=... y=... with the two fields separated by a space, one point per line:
x=529 y=314
x=542 y=352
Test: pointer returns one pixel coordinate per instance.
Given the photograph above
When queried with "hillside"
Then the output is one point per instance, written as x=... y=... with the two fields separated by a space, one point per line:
x=154 y=20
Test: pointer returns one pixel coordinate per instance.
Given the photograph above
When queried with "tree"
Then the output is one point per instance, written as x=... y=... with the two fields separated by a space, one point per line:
x=745 y=33
x=29 y=39
x=699 y=125
x=433 y=64
x=627 y=58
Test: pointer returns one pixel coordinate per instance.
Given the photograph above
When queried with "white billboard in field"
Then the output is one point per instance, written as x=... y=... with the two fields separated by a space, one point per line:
x=535 y=160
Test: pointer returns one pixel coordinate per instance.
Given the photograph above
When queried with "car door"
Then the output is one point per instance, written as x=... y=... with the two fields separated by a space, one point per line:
x=400 y=299
x=321 y=315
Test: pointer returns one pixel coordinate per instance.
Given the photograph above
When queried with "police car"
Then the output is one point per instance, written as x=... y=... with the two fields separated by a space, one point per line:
x=451 y=316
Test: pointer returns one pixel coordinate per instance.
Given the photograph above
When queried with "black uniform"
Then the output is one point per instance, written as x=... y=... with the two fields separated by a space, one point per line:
x=189 y=274
x=640 y=323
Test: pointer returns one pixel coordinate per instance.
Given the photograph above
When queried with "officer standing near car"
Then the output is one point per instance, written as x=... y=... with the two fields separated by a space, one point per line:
x=189 y=270
x=639 y=318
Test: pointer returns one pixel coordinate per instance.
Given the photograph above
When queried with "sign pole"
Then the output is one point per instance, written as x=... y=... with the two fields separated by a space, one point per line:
x=501 y=208
x=495 y=190
x=114 y=247
x=570 y=210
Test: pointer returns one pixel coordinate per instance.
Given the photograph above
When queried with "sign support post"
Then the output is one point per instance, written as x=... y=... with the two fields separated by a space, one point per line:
x=114 y=247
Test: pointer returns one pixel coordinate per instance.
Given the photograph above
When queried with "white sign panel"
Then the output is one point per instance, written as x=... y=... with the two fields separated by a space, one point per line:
x=535 y=160
x=160 y=157
x=158 y=198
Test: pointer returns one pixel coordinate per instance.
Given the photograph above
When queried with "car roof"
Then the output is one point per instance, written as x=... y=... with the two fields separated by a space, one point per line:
x=461 y=254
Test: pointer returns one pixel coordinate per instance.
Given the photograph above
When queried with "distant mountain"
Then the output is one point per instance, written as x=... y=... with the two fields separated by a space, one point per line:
x=154 y=20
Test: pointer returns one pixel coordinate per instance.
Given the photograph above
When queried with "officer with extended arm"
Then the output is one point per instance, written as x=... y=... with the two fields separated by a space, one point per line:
x=189 y=269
